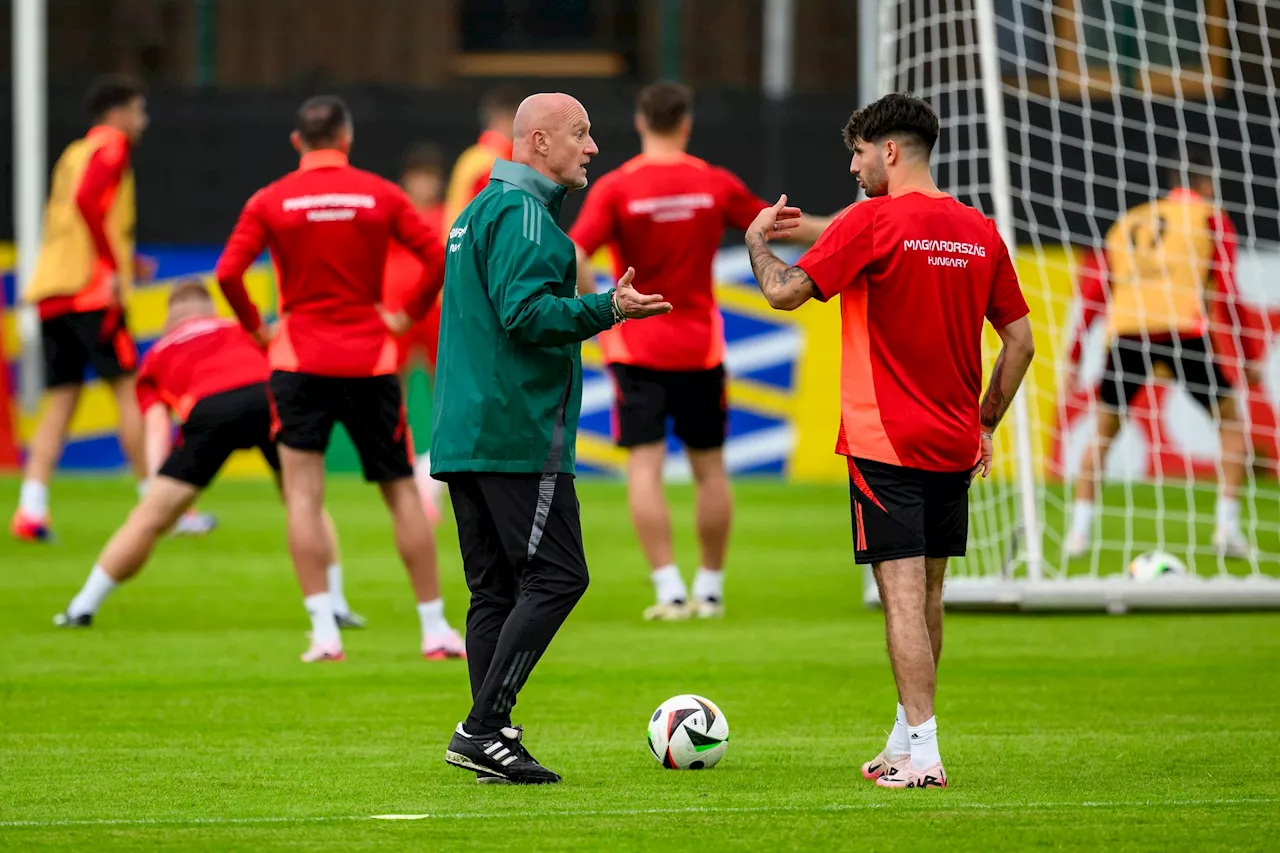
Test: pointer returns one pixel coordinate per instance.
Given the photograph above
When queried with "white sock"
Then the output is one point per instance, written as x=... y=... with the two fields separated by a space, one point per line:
x=924 y=744
x=899 y=742
x=431 y=615
x=95 y=591
x=142 y=488
x=324 y=628
x=1228 y=514
x=428 y=487
x=708 y=585
x=1082 y=517
x=668 y=585
x=336 y=595
x=34 y=498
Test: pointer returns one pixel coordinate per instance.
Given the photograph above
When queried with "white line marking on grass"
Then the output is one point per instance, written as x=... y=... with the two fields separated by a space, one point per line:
x=934 y=802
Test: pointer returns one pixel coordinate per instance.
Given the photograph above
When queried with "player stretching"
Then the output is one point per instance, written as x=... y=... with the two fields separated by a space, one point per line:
x=1161 y=255
x=422 y=179
x=332 y=360
x=208 y=373
x=664 y=213
x=917 y=272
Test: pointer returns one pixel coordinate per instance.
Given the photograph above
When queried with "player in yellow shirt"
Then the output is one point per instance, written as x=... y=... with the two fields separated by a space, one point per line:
x=471 y=171
x=1167 y=261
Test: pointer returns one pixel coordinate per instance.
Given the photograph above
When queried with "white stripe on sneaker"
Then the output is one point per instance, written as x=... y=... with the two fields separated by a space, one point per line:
x=498 y=756
x=493 y=747
x=508 y=760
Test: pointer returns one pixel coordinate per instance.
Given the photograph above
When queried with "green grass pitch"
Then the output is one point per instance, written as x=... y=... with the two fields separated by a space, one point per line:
x=183 y=719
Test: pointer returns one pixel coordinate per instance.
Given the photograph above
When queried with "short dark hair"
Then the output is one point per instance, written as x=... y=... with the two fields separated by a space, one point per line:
x=897 y=114
x=321 y=119
x=110 y=91
x=1198 y=163
x=500 y=101
x=423 y=157
x=189 y=288
x=664 y=105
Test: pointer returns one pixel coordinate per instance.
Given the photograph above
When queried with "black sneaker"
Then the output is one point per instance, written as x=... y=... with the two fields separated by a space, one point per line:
x=500 y=754
x=349 y=621
x=66 y=620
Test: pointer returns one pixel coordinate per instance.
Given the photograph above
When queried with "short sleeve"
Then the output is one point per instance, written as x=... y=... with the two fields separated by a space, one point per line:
x=1006 y=303
x=597 y=222
x=741 y=205
x=843 y=252
x=146 y=386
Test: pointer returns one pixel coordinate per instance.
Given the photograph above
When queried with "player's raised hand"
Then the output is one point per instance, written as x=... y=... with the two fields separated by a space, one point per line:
x=634 y=305
x=776 y=221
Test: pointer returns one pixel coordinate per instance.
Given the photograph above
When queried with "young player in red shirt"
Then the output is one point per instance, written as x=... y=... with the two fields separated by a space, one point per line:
x=332 y=359
x=664 y=213
x=917 y=272
x=422 y=179
x=206 y=372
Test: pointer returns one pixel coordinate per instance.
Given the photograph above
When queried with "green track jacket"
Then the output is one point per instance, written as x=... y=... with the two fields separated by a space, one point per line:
x=508 y=387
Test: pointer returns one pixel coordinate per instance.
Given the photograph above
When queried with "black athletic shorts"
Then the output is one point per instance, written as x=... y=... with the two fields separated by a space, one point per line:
x=218 y=426
x=370 y=407
x=1191 y=360
x=694 y=400
x=905 y=512
x=75 y=342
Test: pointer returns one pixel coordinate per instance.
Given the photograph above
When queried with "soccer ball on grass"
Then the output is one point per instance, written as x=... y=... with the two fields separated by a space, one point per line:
x=688 y=732
x=1156 y=564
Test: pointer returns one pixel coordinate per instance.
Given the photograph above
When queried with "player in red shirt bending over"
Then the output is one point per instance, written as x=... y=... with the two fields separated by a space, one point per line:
x=332 y=360
x=917 y=272
x=208 y=374
x=664 y=213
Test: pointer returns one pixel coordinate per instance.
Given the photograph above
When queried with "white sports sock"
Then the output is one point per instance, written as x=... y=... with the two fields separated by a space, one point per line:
x=668 y=585
x=924 y=744
x=708 y=584
x=899 y=742
x=96 y=588
x=336 y=594
x=34 y=498
x=1082 y=517
x=428 y=487
x=324 y=628
x=1228 y=514
x=143 y=485
x=431 y=615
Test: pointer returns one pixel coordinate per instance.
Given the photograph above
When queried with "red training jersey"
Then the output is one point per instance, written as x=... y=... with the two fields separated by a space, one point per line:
x=665 y=218
x=94 y=196
x=196 y=359
x=328 y=226
x=917 y=274
x=403 y=272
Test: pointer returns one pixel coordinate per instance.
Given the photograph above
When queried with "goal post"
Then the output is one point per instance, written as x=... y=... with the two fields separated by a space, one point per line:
x=1057 y=118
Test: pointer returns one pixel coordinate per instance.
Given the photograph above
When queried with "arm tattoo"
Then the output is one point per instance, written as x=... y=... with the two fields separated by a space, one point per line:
x=776 y=279
x=994 y=402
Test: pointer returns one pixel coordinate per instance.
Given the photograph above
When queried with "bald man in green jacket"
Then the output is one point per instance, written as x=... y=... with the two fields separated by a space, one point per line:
x=507 y=398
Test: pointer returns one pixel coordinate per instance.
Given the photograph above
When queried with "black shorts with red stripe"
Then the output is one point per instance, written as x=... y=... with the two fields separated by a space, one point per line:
x=906 y=512
x=306 y=406
x=218 y=426
x=75 y=342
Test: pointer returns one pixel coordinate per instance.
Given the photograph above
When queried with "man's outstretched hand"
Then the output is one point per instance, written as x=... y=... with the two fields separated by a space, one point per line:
x=777 y=221
x=634 y=305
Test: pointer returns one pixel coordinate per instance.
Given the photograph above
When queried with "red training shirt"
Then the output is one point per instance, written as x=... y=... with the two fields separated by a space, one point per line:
x=917 y=274
x=196 y=359
x=94 y=196
x=328 y=226
x=665 y=217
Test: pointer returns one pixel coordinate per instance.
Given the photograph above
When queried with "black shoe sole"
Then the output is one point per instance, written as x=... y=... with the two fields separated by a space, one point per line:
x=459 y=760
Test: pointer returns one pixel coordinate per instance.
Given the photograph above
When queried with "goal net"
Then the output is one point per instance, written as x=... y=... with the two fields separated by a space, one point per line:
x=1059 y=117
